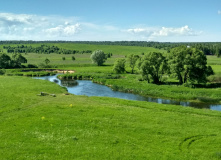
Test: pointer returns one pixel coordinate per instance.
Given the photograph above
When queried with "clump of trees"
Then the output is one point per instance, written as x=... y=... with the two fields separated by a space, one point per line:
x=11 y=62
x=154 y=65
x=189 y=64
x=185 y=63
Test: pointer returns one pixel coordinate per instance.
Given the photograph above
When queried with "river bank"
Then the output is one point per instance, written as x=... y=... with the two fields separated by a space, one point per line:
x=88 y=88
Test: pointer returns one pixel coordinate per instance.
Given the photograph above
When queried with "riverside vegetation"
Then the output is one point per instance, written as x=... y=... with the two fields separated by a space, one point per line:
x=81 y=127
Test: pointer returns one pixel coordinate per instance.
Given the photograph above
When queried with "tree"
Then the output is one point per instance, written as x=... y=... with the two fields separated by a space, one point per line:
x=18 y=59
x=5 y=61
x=189 y=64
x=119 y=66
x=132 y=59
x=153 y=64
x=98 y=57
x=63 y=58
x=47 y=61
x=218 y=51
x=73 y=58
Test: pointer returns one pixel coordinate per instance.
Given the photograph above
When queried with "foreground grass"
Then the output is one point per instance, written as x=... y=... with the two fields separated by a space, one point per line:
x=80 y=127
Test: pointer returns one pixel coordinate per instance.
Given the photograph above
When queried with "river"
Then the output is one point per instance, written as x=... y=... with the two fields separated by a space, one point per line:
x=88 y=88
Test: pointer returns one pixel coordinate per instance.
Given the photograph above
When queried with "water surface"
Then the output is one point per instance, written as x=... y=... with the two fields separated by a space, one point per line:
x=88 y=88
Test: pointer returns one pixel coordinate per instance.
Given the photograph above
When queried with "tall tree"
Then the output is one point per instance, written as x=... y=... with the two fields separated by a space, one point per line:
x=153 y=64
x=18 y=59
x=218 y=51
x=5 y=61
x=132 y=59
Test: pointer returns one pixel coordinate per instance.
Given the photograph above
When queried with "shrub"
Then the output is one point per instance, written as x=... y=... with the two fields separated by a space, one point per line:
x=119 y=66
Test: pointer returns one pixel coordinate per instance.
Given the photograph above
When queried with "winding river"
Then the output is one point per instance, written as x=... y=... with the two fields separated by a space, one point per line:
x=88 y=88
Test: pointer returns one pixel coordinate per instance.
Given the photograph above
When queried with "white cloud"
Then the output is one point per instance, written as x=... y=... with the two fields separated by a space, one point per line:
x=182 y=31
x=144 y=32
x=63 y=30
x=151 y=33
x=13 y=19
x=35 y=27
x=219 y=12
x=24 y=26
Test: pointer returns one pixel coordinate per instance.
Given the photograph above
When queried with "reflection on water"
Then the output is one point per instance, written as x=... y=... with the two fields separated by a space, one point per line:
x=88 y=88
x=69 y=83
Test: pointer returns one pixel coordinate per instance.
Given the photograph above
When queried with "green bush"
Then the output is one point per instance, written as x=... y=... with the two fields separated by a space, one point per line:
x=2 y=71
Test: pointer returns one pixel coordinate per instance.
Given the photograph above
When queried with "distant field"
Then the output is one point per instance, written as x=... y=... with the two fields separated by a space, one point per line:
x=216 y=69
x=118 y=50
x=213 y=60
x=81 y=59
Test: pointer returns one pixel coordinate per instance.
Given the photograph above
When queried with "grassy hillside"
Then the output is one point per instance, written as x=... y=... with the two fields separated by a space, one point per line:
x=82 y=59
x=80 y=127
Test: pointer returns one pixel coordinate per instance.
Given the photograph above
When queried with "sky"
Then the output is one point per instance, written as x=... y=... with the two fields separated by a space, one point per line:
x=111 y=20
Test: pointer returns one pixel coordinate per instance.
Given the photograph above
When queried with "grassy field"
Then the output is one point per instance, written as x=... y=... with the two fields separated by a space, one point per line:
x=80 y=127
x=82 y=59
x=213 y=60
x=83 y=64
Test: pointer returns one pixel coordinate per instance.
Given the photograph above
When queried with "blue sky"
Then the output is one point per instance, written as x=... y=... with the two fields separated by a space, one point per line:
x=111 y=20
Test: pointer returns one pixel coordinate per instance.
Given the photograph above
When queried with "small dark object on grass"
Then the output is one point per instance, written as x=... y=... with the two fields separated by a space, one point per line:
x=45 y=94
x=53 y=95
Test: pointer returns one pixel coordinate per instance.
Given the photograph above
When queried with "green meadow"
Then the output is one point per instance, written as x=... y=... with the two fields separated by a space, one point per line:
x=79 y=127
x=82 y=59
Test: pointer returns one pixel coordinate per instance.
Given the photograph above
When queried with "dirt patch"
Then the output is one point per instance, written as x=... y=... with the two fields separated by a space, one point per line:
x=64 y=71
x=49 y=70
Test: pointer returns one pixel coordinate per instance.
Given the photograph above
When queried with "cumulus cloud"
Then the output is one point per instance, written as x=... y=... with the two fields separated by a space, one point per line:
x=64 y=30
x=13 y=19
x=182 y=31
x=24 y=26
x=142 y=31
x=35 y=27
x=163 y=32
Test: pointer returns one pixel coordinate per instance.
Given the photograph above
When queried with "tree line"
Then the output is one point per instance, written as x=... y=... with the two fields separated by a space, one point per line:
x=208 y=48
x=43 y=49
